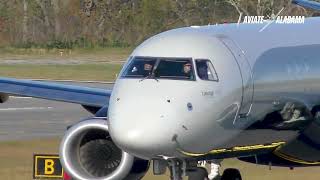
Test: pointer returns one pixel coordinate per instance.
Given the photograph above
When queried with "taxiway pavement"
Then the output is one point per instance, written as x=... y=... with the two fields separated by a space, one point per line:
x=24 y=118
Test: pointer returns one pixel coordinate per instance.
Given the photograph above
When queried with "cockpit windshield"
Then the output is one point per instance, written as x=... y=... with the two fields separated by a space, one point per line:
x=139 y=67
x=160 y=68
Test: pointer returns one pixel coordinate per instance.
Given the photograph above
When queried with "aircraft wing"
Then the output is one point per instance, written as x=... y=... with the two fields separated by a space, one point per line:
x=308 y=4
x=54 y=91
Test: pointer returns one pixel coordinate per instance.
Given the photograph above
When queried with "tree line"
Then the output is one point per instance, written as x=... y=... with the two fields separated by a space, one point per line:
x=91 y=23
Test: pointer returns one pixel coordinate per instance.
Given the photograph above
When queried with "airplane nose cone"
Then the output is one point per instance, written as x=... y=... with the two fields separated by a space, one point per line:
x=143 y=143
x=143 y=124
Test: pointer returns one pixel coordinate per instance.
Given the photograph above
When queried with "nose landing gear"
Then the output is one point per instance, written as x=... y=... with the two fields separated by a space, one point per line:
x=198 y=173
x=179 y=169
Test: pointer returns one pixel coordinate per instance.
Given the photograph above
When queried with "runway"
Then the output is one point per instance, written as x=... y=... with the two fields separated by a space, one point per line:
x=24 y=118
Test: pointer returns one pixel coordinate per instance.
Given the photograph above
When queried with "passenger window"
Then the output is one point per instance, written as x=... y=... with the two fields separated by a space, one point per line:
x=206 y=70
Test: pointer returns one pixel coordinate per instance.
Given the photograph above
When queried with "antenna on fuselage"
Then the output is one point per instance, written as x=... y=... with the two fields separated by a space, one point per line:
x=308 y=4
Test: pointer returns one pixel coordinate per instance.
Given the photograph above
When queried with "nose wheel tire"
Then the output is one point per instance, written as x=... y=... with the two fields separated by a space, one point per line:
x=231 y=174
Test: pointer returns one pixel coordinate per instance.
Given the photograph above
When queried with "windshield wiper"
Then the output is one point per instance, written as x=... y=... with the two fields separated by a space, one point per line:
x=146 y=77
x=151 y=75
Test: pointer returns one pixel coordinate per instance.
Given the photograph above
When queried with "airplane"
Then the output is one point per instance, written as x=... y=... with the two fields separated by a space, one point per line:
x=200 y=93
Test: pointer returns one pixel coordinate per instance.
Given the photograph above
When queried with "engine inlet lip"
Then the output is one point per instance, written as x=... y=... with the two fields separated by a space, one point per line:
x=76 y=131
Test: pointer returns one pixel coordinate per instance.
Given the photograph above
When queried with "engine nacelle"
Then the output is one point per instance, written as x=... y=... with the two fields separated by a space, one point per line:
x=88 y=152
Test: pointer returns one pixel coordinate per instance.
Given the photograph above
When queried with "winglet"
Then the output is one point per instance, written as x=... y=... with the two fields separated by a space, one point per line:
x=307 y=4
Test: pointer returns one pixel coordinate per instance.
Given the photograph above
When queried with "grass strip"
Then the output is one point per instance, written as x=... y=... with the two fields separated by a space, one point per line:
x=96 y=72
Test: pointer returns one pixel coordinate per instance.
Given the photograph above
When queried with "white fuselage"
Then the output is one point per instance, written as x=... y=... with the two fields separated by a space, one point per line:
x=152 y=118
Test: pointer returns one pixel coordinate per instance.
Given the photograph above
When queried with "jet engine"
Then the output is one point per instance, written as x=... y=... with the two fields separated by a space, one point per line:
x=88 y=152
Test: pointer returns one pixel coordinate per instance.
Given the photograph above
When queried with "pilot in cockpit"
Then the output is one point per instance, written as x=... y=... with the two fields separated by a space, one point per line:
x=187 y=70
x=147 y=69
x=202 y=70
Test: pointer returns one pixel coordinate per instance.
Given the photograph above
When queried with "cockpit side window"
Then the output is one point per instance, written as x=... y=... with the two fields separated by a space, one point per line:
x=206 y=70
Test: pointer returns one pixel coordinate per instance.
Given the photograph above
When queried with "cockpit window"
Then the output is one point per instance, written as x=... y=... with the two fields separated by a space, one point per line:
x=160 y=68
x=206 y=70
x=175 y=69
x=140 y=67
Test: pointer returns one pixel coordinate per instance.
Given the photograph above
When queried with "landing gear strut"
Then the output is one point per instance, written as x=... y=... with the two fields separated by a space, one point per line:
x=179 y=168
x=198 y=173
x=176 y=168
x=214 y=168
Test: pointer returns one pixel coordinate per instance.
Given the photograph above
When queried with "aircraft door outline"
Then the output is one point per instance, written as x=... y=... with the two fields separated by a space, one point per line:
x=246 y=74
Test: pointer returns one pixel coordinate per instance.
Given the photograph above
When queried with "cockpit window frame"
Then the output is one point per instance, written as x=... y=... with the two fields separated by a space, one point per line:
x=214 y=69
x=157 y=62
x=127 y=65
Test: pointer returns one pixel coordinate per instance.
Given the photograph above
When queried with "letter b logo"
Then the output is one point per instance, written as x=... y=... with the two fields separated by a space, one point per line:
x=48 y=166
